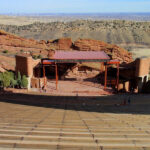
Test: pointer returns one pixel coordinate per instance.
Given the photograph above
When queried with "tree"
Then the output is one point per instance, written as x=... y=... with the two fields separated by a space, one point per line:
x=24 y=82
x=19 y=80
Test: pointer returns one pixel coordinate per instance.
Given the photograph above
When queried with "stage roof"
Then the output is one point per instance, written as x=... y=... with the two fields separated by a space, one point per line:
x=78 y=56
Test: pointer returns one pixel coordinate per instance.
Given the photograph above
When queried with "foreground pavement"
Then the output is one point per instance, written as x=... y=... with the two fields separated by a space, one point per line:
x=40 y=122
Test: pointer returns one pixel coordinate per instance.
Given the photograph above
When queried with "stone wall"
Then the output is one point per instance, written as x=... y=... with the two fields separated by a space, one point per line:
x=142 y=67
x=25 y=65
x=37 y=82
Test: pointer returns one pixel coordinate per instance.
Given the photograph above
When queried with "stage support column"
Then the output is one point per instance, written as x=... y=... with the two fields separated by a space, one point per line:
x=117 y=83
x=56 y=73
x=44 y=76
x=105 y=80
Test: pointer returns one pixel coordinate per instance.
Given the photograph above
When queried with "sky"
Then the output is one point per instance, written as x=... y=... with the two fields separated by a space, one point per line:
x=73 y=6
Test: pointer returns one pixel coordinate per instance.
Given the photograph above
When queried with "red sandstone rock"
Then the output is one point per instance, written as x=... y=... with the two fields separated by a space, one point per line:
x=15 y=41
x=64 y=44
x=7 y=63
x=113 y=51
x=18 y=45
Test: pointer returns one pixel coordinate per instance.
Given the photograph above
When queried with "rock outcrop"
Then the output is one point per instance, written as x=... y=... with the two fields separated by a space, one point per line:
x=17 y=45
x=7 y=63
x=16 y=41
x=60 y=44
x=113 y=51
x=64 y=44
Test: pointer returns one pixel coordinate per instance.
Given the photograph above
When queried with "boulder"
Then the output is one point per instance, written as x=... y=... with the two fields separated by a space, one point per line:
x=64 y=44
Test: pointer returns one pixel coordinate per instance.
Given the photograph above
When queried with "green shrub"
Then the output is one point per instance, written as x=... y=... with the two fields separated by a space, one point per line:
x=6 y=78
x=21 y=50
x=35 y=57
x=19 y=80
x=6 y=81
x=13 y=83
x=24 y=82
x=5 y=51
x=39 y=56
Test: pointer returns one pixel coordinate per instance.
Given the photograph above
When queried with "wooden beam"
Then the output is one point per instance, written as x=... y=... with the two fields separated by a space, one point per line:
x=56 y=73
x=102 y=67
x=44 y=76
x=117 y=82
x=105 y=80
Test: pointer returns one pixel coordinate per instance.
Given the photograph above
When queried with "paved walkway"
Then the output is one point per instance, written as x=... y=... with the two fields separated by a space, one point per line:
x=74 y=127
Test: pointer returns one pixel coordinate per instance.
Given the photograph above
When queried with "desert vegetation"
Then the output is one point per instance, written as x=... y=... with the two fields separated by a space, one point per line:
x=9 y=79
x=36 y=57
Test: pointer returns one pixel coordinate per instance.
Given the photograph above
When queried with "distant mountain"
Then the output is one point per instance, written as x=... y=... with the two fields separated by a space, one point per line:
x=139 y=16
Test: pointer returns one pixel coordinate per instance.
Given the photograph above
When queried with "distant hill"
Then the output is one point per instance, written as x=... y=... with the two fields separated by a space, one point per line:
x=128 y=34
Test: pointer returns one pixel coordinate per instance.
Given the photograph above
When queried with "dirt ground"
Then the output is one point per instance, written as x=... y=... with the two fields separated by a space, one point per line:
x=74 y=88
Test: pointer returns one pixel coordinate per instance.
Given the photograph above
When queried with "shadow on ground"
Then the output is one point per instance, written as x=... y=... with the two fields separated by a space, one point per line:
x=140 y=104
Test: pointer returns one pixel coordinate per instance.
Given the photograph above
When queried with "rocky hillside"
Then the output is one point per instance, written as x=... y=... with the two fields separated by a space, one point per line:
x=10 y=45
x=125 y=33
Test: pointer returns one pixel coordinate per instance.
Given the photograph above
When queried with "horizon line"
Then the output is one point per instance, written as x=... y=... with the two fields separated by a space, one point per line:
x=55 y=13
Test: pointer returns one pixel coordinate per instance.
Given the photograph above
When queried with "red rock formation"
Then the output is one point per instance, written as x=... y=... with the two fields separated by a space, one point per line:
x=7 y=63
x=16 y=41
x=113 y=51
x=64 y=43
x=60 y=44
x=16 y=45
x=51 y=54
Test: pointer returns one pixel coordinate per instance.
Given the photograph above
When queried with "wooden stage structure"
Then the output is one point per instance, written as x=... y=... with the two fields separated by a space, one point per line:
x=80 y=57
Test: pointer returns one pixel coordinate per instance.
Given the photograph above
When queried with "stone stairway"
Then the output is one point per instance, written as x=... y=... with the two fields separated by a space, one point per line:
x=75 y=127
x=52 y=138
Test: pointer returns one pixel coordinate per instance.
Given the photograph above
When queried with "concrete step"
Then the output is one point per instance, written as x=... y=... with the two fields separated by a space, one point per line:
x=88 y=138
x=44 y=145
x=69 y=130
x=72 y=134
x=70 y=145
x=31 y=141
x=97 y=128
